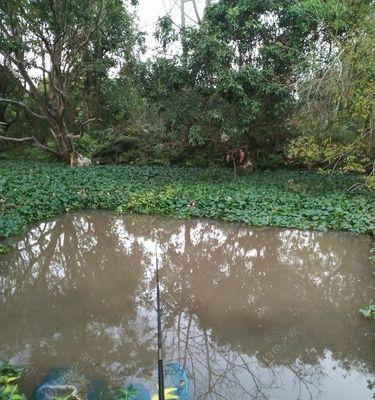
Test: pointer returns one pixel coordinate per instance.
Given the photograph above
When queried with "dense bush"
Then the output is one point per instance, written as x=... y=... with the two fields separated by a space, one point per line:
x=313 y=152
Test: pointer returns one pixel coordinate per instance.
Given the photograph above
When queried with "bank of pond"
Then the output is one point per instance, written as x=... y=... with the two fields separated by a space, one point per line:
x=32 y=191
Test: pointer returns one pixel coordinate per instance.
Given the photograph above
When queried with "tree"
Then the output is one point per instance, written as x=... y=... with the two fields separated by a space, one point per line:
x=336 y=113
x=235 y=77
x=45 y=44
x=7 y=88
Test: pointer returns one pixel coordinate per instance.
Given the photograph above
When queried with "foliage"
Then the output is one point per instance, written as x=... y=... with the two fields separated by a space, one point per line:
x=4 y=248
x=126 y=393
x=8 y=375
x=370 y=182
x=372 y=257
x=336 y=98
x=9 y=390
x=257 y=72
x=165 y=33
x=262 y=73
x=236 y=69
x=60 y=54
x=368 y=311
x=319 y=153
x=32 y=191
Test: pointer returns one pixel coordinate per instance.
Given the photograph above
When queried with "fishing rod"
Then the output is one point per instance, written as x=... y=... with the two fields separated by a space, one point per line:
x=160 y=346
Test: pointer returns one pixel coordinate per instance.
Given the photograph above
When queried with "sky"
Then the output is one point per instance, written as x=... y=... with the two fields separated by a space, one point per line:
x=149 y=11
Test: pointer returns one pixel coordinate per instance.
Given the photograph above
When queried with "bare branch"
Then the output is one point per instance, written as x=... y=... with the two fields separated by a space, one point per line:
x=197 y=12
x=58 y=90
x=33 y=141
x=88 y=121
x=184 y=14
x=6 y=72
x=4 y=30
x=20 y=64
x=82 y=126
x=25 y=106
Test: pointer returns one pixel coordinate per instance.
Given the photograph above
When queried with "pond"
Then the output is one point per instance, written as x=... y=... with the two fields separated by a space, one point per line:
x=253 y=313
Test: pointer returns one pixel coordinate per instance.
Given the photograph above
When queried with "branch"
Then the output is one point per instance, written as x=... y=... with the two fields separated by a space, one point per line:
x=185 y=13
x=82 y=126
x=46 y=71
x=38 y=98
x=6 y=72
x=32 y=140
x=58 y=90
x=20 y=64
x=88 y=121
x=5 y=30
x=54 y=14
x=25 y=106
x=98 y=21
x=196 y=12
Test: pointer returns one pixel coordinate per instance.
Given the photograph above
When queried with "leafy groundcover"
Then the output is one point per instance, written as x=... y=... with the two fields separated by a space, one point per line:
x=31 y=191
x=8 y=386
x=368 y=311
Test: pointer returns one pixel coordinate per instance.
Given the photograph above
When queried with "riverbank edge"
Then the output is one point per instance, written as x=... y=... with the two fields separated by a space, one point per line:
x=32 y=191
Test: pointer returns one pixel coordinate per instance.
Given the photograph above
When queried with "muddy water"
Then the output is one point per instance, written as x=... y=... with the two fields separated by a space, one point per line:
x=251 y=313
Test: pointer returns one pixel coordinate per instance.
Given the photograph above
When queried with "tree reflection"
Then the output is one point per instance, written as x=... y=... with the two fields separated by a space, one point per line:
x=249 y=312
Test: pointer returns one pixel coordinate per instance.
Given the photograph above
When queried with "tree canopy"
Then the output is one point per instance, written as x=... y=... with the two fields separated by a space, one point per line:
x=286 y=82
x=51 y=48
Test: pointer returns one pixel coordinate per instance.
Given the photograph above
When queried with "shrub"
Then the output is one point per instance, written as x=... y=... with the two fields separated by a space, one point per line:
x=321 y=154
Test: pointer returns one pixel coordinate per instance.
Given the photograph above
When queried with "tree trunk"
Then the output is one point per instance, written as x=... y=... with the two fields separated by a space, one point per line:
x=52 y=105
x=63 y=141
x=57 y=99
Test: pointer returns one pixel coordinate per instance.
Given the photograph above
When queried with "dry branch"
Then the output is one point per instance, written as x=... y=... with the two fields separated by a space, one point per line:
x=32 y=140
x=23 y=105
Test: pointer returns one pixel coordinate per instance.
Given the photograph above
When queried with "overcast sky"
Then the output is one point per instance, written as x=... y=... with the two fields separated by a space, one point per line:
x=150 y=10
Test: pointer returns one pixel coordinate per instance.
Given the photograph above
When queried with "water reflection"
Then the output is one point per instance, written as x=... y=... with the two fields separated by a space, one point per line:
x=251 y=313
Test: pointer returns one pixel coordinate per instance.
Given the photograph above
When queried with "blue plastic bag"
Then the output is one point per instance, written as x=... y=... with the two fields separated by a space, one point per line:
x=176 y=385
x=66 y=381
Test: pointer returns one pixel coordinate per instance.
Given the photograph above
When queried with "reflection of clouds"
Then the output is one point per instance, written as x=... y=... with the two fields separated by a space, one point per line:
x=125 y=239
x=294 y=241
x=178 y=240
x=326 y=262
x=207 y=232
x=83 y=228
x=56 y=271
x=231 y=294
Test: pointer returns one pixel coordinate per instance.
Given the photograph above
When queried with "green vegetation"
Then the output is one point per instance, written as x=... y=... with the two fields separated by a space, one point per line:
x=372 y=257
x=4 y=248
x=368 y=311
x=284 y=81
x=8 y=375
x=31 y=191
x=126 y=393
x=266 y=83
